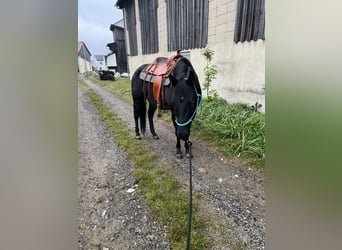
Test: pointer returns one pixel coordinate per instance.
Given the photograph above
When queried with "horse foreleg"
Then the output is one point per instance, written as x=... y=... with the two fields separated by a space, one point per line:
x=187 y=150
x=151 y=109
x=179 y=154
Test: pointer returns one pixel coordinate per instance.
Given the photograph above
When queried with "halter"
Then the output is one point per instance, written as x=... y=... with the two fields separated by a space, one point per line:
x=199 y=102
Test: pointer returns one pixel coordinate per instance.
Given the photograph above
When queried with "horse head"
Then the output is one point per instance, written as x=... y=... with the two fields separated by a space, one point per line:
x=186 y=97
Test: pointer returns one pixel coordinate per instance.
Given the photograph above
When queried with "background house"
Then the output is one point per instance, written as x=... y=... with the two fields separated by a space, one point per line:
x=111 y=62
x=234 y=29
x=118 y=47
x=84 y=61
x=99 y=62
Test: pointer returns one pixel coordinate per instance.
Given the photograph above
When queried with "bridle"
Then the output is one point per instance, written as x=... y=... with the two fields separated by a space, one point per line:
x=199 y=103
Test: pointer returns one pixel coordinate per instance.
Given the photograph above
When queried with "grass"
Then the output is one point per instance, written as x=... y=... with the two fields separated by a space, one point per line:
x=233 y=129
x=121 y=86
x=163 y=194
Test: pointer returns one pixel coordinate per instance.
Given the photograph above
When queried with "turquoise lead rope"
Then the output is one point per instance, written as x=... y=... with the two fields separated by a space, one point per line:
x=199 y=103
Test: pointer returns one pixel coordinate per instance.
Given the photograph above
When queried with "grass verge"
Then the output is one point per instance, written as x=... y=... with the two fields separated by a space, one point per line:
x=234 y=130
x=161 y=191
x=121 y=86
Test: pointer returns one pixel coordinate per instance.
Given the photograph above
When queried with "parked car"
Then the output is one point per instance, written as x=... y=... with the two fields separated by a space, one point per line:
x=106 y=75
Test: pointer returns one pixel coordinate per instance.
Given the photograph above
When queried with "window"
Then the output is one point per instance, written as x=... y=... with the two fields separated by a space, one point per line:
x=250 y=20
x=131 y=22
x=149 y=26
x=187 y=24
x=186 y=54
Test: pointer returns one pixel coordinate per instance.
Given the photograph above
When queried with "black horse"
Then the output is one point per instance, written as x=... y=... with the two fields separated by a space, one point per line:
x=182 y=96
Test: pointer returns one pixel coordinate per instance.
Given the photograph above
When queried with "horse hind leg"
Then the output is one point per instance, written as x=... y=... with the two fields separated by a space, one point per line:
x=139 y=115
x=151 y=109
x=136 y=120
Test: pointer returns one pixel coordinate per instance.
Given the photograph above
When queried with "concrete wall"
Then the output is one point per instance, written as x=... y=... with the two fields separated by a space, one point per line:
x=84 y=66
x=241 y=66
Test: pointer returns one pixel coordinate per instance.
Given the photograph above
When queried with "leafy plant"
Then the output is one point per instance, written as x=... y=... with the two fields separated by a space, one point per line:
x=210 y=71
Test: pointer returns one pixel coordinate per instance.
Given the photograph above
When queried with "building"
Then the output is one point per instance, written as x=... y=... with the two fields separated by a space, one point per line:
x=118 y=47
x=99 y=62
x=84 y=61
x=234 y=29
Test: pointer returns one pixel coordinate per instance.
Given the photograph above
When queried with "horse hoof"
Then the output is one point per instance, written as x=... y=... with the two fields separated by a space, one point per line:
x=179 y=156
x=188 y=156
x=138 y=137
x=155 y=137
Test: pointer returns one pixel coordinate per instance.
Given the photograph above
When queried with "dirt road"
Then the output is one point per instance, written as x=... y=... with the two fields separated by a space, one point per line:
x=111 y=214
x=111 y=217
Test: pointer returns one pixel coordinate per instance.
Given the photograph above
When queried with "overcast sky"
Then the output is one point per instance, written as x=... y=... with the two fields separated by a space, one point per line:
x=94 y=19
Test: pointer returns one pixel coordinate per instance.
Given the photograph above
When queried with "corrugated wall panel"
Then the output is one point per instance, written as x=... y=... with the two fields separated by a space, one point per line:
x=250 y=20
x=148 y=26
x=187 y=24
x=131 y=27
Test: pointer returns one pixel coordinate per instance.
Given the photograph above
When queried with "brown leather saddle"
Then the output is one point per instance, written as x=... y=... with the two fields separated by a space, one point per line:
x=157 y=74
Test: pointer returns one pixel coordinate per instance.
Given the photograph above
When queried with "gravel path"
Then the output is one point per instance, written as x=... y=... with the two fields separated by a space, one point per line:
x=109 y=216
x=231 y=195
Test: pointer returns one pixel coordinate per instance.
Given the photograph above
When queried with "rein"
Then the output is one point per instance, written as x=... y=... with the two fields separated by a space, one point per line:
x=190 y=199
x=199 y=102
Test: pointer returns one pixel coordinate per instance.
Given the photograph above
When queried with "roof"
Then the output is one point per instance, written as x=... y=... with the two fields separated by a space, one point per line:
x=99 y=57
x=111 y=46
x=119 y=24
x=119 y=4
x=80 y=45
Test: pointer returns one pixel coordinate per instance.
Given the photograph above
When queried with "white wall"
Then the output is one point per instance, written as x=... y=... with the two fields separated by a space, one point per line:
x=241 y=72
x=111 y=60
x=100 y=65
x=241 y=66
x=84 y=66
